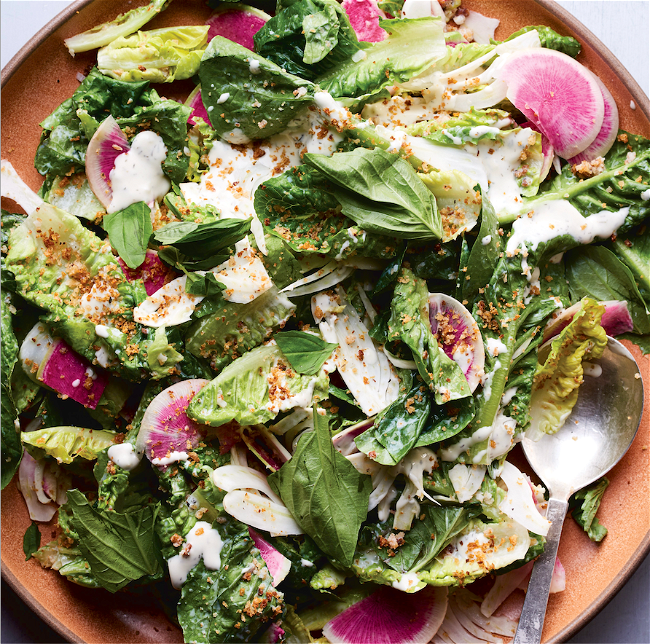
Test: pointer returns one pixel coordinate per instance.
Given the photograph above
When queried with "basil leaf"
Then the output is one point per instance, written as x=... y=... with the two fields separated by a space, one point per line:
x=305 y=352
x=120 y=547
x=594 y=271
x=31 y=540
x=185 y=264
x=129 y=231
x=205 y=285
x=342 y=394
x=583 y=506
x=381 y=192
x=324 y=492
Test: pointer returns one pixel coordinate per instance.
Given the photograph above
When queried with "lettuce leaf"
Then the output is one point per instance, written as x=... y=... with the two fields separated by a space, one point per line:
x=552 y=40
x=555 y=388
x=161 y=355
x=584 y=505
x=11 y=447
x=66 y=443
x=168 y=54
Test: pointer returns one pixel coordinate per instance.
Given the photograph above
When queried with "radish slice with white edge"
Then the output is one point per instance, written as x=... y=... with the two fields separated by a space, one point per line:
x=278 y=565
x=29 y=487
x=167 y=433
x=385 y=617
x=238 y=24
x=107 y=144
x=364 y=17
x=195 y=103
x=493 y=624
x=260 y=512
x=458 y=335
x=608 y=131
x=504 y=586
x=616 y=319
x=558 y=94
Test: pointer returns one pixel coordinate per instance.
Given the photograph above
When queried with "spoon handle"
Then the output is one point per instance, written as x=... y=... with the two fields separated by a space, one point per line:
x=531 y=621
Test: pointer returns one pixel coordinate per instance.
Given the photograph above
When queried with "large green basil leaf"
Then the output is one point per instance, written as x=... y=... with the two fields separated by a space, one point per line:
x=634 y=251
x=305 y=352
x=381 y=192
x=129 y=231
x=324 y=492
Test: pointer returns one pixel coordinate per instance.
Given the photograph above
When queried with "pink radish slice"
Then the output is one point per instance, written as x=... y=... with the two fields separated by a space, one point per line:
x=273 y=635
x=153 y=272
x=278 y=565
x=238 y=24
x=458 y=334
x=228 y=436
x=107 y=144
x=195 y=102
x=608 y=132
x=547 y=150
x=558 y=94
x=166 y=430
x=344 y=441
x=28 y=486
x=616 y=319
x=389 y=617
x=364 y=17
x=558 y=580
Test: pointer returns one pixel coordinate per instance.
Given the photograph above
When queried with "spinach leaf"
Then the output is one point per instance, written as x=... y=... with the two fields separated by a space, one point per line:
x=305 y=352
x=204 y=285
x=390 y=273
x=129 y=231
x=324 y=492
x=446 y=421
x=11 y=448
x=31 y=540
x=634 y=251
x=247 y=96
x=120 y=547
x=381 y=192
x=552 y=40
x=397 y=428
x=343 y=395
x=595 y=271
x=584 y=505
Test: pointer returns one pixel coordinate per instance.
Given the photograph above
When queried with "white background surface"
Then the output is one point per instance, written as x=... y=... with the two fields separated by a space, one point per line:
x=624 y=27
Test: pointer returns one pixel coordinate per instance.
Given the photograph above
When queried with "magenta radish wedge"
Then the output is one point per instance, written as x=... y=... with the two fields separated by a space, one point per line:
x=558 y=94
x=389 y=617
x=195 y=103
x=616 y=319
x=30 y=483
x=153 y=272
x=238 y=24
x=107 y=144
x=167 y=434
x=278 y=565
x=458 y=335
x=608 y=131
x=364 y=17
x=52 y=362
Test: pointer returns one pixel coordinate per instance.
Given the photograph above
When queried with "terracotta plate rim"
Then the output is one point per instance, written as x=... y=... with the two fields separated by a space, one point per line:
x=642 y=103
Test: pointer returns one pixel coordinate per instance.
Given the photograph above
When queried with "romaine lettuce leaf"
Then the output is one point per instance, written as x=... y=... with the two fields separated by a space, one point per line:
x=68 y=562
x=168 y=54
x=74 y=195
x=66 y=443
x=11 y=447
x=555 y=388
x=552 y=40
x=474 y=118
x=584 y=505
x=161 y=355
x=255 y=388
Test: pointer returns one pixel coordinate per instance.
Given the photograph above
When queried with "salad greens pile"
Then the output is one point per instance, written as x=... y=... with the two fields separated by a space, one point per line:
x=293 y=372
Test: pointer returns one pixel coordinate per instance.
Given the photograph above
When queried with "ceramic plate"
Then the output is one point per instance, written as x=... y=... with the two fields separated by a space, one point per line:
x=39 y=78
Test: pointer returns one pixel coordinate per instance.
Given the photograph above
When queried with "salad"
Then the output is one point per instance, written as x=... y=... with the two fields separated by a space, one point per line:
x=265 y=353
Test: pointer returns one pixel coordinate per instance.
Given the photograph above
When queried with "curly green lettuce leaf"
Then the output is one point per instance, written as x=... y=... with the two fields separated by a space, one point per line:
x=555 y=389
x=68 y=562
x=161 y=355
x=159 y=55
x=255 y=388
x=67 y=443
x=552 y=40
x=434 y=129
x=584 y=505
x=74 y=195
x=11 y=447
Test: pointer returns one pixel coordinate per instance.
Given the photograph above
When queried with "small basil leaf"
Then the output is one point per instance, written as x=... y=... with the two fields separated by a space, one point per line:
x=305 y=352
x=129 y=231
x=31 y=540
x=205 y=285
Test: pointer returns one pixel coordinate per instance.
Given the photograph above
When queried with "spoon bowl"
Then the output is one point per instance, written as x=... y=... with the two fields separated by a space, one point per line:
x=595 y=436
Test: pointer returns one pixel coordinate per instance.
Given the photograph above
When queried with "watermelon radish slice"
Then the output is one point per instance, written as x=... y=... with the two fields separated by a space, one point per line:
x=153 y=272
x=40 y=505
x=364 y=17
x=547 y=150
x=238 y=24
x=265 y=446
x=608 y=132
x=385 y=617
x=52 y=362
x=195 y=102
x=458 y=334
x=558 y=94
x=616 y=319
x=344 y=441
x=107 y=144
x=278 y=565
x=167 y=433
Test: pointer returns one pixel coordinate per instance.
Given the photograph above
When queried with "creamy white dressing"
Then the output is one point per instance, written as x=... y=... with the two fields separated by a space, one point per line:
x=409 y=581
x=124 y=456
x=137 y=175
x=486 y=240
x=495 y=347
x=206 y=544
x=551 y=219
x=508 y=395
x=645 y=195
x=592 y=370
x=169 y=306
x=174 y=457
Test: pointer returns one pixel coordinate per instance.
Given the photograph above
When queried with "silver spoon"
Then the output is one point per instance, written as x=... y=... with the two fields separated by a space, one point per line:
x=594 y=438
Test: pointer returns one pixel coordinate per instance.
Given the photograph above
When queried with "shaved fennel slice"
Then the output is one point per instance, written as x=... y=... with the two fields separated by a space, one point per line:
x=329 y=275
x=238 y=477
x=399 y=362
x=260 y=512
x=469 y=625
x=14 y=188
x=243 y=275
x=169 y=306
x=519 y=503
x=364 y=465
x=499 y=625
x=297 y=416
x=239 y=455
x=504 y=586
x=466 y=480
x=454 y=630
x=367 y=304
